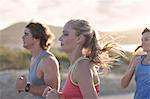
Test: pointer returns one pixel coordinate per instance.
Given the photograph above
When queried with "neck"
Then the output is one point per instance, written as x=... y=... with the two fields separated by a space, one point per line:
x=148 y=56
x=74 y=55
x=35 y=51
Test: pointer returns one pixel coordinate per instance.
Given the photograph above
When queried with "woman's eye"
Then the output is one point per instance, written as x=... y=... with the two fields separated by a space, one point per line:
x=65 y=34
x=25 y=33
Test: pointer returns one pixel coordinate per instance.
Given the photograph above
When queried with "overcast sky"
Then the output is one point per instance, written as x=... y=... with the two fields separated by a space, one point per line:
x=105 y=15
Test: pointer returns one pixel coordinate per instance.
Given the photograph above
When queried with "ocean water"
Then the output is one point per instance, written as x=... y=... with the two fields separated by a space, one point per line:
x=129 y=47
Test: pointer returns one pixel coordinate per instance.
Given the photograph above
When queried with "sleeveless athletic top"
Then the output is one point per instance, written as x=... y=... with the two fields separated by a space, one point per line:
x=32 y=77
x=71 y=90
x=142 y=78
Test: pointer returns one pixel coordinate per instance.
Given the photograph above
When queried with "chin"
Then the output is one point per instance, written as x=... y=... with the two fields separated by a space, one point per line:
x=25 y=46
x=61 y=48
x=64 y=50
x=145 y=50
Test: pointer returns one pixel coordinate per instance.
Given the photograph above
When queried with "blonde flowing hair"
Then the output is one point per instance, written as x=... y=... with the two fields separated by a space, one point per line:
x=97 y=54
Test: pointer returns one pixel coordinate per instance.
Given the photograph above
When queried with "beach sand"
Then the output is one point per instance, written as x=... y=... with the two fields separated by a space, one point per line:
x=120 y=96
x=110 y=88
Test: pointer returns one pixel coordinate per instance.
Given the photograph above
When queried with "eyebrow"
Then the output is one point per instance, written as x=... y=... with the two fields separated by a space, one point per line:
x=26 y=33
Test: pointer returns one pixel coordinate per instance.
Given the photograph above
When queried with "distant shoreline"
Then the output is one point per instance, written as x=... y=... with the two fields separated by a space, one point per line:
x=129 y=47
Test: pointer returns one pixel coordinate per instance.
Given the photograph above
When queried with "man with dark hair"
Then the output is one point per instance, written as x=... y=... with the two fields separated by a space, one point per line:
x=44 y=67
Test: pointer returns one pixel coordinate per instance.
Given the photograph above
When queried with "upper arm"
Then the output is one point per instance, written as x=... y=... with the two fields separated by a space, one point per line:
x=130 y=72
x=136 y=60
x=51 y=72
x=84 y=77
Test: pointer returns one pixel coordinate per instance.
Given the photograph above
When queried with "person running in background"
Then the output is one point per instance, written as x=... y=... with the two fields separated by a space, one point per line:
x=44 y=67
x=79 y=41
x=140 y=67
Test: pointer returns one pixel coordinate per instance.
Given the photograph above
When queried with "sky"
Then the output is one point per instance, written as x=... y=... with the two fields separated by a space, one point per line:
x=104 y=15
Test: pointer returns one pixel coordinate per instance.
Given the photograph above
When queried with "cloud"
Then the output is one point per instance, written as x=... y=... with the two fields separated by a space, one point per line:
x=124 y=13
x=15 y=10
x=103 y=14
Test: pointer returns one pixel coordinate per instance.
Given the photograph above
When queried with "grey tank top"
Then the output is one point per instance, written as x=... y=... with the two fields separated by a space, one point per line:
x=32 y=77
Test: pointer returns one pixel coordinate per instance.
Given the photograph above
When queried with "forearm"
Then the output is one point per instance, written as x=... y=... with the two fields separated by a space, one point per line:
x=90 y=95
x=37 y=90
x=60 y=95
x=127 y=78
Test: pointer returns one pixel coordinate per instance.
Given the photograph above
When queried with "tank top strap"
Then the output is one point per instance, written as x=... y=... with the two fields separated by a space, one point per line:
x=77 y=61
x=75 y=67
x=33 y=68
x=40 y=56
x=142 y=58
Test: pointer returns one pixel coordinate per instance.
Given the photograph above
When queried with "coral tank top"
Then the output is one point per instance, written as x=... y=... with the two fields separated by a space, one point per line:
x=72 y=90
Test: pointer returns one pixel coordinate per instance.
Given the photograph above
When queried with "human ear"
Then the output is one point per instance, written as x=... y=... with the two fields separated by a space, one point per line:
x=81 y=39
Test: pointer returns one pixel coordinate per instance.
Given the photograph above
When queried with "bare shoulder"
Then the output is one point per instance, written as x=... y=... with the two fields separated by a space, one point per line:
x=83 y=65
x=49 y=62
x=136 y=58
x=83 y=72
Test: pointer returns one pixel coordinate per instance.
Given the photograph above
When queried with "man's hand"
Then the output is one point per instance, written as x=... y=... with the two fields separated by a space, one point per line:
x=21 y=83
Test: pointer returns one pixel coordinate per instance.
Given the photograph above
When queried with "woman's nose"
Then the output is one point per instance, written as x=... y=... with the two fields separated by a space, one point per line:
x=60 y=38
